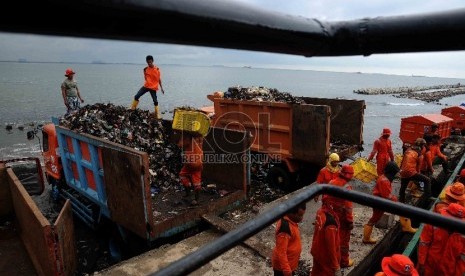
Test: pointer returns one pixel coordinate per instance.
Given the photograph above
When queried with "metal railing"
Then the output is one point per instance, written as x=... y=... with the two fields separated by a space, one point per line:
x=212 y=250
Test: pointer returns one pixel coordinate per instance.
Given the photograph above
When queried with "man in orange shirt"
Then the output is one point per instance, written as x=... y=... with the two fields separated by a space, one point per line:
x=330 y=171
x=410 y=170
x=286 y=253
x=432 y=245
x=383 y=150
x=382 y=189
x=192 y=159
x=325 y=245
x=152 y=79
x=343 y=209
x=454 y=193
x=437 y=155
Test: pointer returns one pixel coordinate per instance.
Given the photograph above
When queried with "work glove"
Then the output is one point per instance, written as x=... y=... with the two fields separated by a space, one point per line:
x=338 y=272
x=349 y=226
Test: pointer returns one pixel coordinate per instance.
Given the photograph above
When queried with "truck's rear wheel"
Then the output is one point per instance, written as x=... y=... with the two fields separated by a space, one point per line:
x=280 y=177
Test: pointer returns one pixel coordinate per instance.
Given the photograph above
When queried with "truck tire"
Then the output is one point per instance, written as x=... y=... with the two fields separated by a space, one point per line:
x=280 y=177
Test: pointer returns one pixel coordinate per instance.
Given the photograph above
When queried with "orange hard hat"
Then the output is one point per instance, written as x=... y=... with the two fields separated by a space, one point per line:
x=69 y=71
x=386 y=131
x=398 y=264
x=462 y=173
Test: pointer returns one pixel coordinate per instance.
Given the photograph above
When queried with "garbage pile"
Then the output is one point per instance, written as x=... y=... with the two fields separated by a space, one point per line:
x=136 y=129
x=260 y=93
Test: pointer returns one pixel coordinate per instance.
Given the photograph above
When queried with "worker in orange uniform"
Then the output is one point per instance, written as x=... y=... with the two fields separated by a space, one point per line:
x=452 y=262
x=286 y=253
x=383 y=188
x=397 y=265
x=330 y=171
x=410 y=170
x=382 y=148
x=433 y=241
x=344 y=212
x=152 y=81
x=192 y=159
x=325 y=245
x=454 y=193
x=437 y=155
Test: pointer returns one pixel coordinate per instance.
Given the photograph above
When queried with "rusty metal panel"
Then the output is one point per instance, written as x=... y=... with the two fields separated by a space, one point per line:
x=127 y=186
x=310 y=127
x=226 y=158
x=35 y=229
x=6 y=204
x=66 y=246
x=193 y=215
x=346 y=118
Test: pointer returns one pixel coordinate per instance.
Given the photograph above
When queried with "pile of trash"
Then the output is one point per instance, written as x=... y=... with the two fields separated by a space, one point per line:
x=137 y=129
x=260 y=93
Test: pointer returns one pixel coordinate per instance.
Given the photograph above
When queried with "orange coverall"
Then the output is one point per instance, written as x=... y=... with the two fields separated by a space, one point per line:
x=430 y=249
x=382 y=189
x=325 y=246
x=453 y=258
x=286 y=253
x=191 y=171
x=383 y=148
x=343 y=210
x=325 y=175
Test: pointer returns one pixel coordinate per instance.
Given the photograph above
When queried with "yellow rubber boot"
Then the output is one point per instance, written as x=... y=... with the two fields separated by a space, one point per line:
x=134 y=104
x=156 y=114
x=367 y=229
x=407 y=225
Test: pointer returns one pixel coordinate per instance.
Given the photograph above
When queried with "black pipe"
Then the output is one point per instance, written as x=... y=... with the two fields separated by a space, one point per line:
x=235 y=25
x=212 y=250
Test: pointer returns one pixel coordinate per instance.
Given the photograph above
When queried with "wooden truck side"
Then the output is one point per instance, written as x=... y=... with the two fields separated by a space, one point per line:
x=109 y=182
x=295 y=138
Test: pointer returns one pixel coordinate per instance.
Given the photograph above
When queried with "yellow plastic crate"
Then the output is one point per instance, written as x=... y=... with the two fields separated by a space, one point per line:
x=364 y=171
x=398 y=158
x=192 y=121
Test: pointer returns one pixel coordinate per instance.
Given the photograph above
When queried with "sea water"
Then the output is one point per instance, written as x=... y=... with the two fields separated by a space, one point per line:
x=31 y=95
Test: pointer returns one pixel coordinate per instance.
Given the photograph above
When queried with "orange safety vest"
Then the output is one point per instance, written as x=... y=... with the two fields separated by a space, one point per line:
x=286 y=253
x=152 y=77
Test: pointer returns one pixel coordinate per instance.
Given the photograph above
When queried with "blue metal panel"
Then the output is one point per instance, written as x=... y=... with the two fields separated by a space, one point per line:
x=80 y=184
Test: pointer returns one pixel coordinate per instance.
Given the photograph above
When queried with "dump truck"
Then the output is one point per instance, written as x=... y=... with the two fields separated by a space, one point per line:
x=296 y=139
x=30 y=242
x=108 y=183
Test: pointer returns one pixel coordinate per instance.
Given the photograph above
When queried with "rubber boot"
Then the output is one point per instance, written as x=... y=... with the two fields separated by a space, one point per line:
x=406 y=225
x=134 y=104
x=188 y=192
x=367 y=229
x=156 y=114
x=351 y=263
x=196 y=198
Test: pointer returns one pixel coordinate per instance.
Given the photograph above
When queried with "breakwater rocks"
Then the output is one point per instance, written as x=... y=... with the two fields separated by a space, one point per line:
x=422 y=93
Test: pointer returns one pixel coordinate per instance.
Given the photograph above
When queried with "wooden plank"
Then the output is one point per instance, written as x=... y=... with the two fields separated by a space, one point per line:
x=342 y=112
x=127 y=188
x=226 y=151
x=226 y=226
x=66 y=244
x=6 y=204
x=35 y=229
x=311 y=126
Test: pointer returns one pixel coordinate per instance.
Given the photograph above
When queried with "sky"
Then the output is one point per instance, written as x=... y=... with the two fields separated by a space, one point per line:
x=436 y=64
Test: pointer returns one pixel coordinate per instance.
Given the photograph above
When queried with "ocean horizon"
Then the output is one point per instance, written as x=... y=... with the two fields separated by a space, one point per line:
x=31 y=93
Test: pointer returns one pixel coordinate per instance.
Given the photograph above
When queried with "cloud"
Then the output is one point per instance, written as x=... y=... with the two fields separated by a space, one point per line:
x=67 y=49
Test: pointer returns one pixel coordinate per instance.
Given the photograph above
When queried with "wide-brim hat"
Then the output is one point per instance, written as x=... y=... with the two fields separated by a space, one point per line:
x=398 y=265
x=456 y=191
